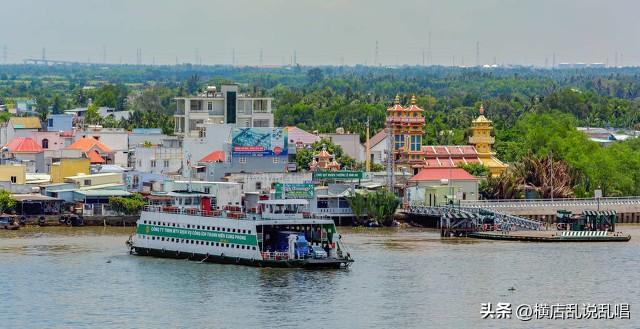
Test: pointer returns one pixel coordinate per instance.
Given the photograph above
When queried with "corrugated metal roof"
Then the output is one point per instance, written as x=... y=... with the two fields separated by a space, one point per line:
x=98 y=193
x=25 y=122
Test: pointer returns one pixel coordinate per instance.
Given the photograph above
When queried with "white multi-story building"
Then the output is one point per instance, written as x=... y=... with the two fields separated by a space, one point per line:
x=162 y=159
x=226 y=106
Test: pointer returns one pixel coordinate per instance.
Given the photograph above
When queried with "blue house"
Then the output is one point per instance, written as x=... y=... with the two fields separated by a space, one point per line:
x=59 y=122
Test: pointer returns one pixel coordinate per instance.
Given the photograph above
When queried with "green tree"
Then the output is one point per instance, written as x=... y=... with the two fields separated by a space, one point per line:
x=382 y=205
x=127 y=205
x=6 y=201
x=358 y=203
x=475 y=169
x=92 y=116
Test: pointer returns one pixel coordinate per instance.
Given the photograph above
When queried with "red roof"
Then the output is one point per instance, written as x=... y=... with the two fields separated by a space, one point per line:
x=436 y=174
x=215 y=156
x=23 y=145
x=94 y=157
x=87 y=143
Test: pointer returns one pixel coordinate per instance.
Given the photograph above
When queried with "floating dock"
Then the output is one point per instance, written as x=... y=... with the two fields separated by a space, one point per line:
x=553 y=236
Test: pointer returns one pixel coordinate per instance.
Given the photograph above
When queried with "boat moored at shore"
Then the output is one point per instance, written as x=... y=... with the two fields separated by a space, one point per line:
x=280 y=233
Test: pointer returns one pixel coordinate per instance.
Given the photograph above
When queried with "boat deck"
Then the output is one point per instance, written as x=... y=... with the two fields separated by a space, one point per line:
x=553 y=236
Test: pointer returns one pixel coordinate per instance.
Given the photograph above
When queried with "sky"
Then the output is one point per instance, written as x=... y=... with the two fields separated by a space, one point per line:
x=328 y=32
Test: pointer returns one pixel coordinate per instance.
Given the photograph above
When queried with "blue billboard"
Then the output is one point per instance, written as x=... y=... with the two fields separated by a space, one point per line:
x=259 y=142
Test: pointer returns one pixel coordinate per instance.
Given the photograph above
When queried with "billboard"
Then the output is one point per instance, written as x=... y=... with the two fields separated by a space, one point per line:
x=342 y=174
x=259 y=141
x=295 y=191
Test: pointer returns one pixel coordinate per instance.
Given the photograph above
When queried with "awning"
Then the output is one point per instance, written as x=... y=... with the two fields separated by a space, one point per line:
x=599 y=213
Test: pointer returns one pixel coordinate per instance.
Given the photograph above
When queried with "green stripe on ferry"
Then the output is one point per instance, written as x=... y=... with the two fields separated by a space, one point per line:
x=186 y=233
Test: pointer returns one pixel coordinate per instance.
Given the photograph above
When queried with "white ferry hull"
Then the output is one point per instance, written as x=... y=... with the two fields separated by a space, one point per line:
x=217 y=240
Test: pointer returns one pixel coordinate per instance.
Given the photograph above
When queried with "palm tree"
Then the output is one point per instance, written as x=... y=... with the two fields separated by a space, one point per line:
x=382 y=205
x=358 y=203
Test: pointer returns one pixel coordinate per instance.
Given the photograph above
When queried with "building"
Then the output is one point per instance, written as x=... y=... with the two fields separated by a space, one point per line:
x=481 y=138
x=59 y=122
x=324 y=160
x=301 y=138
x=68 y=167
x=115 y=139
x=163 y=159
x=457 y=179
x=13 y=173
x=406 y=125
x=265 y=182
x=97 y=181
x=350 y=144
x=19 y=127
x=24 y=150
x=226 y=106
x=94 y=150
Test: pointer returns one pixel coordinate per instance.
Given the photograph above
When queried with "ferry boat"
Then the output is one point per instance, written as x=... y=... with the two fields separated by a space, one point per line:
x=278 y=233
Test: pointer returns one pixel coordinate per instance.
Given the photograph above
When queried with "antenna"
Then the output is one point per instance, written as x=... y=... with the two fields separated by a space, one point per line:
x=104 y=54
x=295 y=57
x=375 y=55
x=422 y=57
x=261 y=57
x=44 y=53
x=430 y=60
x=4 y=54
x=477 y=53
x=197 y=59
x=553 y=62
x=233 y=56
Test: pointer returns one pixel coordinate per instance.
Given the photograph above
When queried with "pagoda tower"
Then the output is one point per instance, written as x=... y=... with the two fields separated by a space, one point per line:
x=406 y=125
x=482 y=140
x=324 y=161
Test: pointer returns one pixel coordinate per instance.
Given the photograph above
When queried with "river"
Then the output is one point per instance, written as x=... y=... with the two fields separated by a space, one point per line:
x=402 y=278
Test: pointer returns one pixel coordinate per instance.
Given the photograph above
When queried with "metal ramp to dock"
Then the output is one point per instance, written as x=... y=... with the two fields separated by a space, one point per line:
x=455 y=218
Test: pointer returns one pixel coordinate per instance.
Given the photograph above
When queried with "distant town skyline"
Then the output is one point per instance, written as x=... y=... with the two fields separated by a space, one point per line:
x=329 y=32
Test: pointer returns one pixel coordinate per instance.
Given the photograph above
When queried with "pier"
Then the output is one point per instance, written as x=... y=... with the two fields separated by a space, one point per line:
x=626 y=208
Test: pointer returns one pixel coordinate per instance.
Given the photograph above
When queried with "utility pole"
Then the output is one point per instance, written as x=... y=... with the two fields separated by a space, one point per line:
x=477 y=53
x=295 y=57
x=368 y=150
x=553 y=63
x=375 y=55
x=429 y=59
x=422 y=57
x=44 y=53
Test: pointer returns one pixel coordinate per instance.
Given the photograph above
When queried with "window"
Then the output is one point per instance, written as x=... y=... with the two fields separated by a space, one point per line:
x=87 y=182
x=210 y=106
x=207 y=190
x=242 y=160
x=50 y=122
x=258 y=186
x=153 y=163
x=139 y=163
x=45 y=143
x=399 y=139
x=275 y=160
x=166 y=163
x=14 y=179
x=416 y=142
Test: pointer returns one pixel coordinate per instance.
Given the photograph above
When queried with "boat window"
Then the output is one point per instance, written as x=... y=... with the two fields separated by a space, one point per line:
x=249 y=232
x=187 y=201
x=217 y=244
x=145 y=221
x=323 y=204
x=242 y=247
x=237 y=246
x=227 y=245
x=188 y=225
x=233 y=230
x=174 y=224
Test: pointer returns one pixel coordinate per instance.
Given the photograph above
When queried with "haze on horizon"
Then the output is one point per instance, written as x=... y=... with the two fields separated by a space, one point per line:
x=323 y=32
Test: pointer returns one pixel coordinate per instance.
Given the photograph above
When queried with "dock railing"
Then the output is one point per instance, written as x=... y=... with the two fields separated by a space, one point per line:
x=564 y=202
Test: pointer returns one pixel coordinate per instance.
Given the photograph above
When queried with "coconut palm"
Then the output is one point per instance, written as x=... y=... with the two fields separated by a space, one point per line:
x=358 y=203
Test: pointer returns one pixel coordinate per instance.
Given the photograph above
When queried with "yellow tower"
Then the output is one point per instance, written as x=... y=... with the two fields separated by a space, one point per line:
x=482 y=140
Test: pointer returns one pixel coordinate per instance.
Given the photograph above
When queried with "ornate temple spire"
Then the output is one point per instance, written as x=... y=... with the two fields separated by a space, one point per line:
x=397 y=100
x=481 y=110
x=413 y=99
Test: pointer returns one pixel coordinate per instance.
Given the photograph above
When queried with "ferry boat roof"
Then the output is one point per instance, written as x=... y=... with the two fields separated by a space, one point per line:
x=285 y=201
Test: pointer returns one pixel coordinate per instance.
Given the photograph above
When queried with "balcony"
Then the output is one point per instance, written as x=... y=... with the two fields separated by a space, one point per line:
x=405 y=120
x=481 y=139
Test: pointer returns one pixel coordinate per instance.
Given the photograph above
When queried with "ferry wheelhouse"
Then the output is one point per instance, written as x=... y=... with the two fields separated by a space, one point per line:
x=278 y=233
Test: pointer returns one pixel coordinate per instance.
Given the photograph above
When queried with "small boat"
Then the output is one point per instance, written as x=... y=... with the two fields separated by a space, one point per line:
x=279 y=233
x=9 y=222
